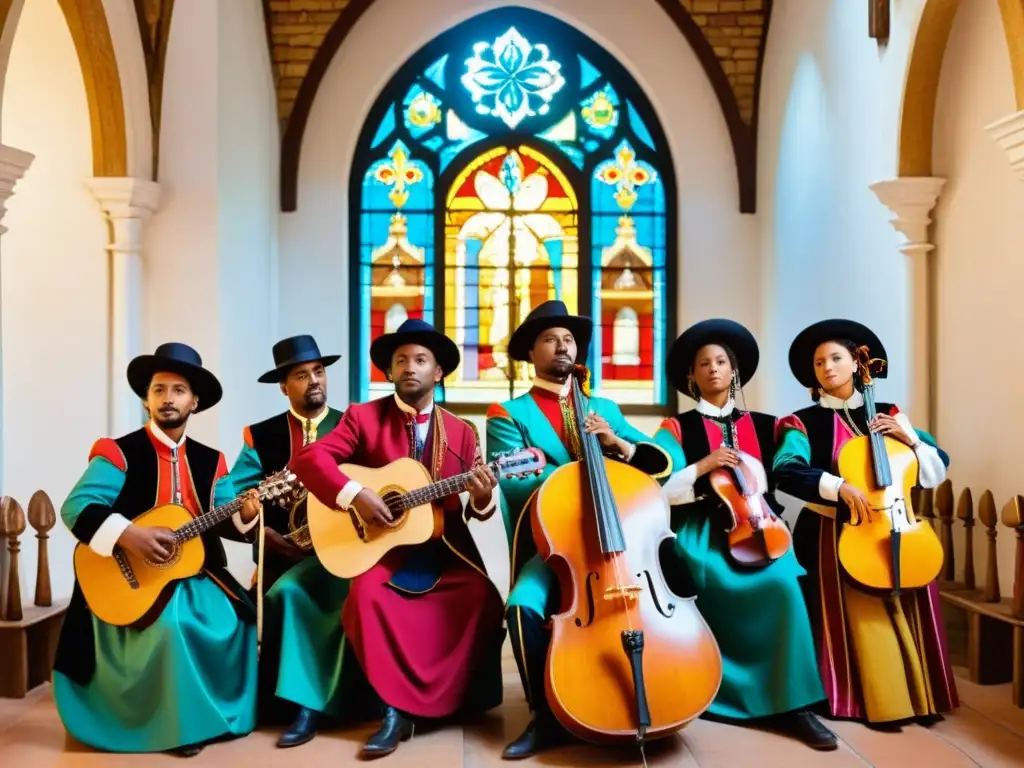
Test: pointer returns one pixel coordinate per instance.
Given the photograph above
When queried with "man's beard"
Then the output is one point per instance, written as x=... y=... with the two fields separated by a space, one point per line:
x=560 y=367
x=314 y=399
x=404 y=390
x=169 y=420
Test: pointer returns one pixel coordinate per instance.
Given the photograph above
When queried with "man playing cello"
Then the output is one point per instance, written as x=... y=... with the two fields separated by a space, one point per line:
x=552 y=340
x=425 y=621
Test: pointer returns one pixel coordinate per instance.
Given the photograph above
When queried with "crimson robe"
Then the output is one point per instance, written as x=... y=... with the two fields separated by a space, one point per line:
x=425 y=622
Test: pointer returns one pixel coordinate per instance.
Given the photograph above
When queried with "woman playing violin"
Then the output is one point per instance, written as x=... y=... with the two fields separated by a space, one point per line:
x=883 y=658
x=757 y=614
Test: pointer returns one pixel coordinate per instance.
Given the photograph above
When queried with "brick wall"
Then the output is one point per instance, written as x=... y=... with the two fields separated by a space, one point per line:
x=297 y=30
x=733 y=27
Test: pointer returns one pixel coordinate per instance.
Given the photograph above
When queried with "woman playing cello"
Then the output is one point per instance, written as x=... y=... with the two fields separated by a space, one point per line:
x=883 y=657
x=770 y=681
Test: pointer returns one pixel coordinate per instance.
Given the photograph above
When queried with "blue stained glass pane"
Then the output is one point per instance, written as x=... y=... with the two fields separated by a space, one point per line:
x=421 y=111
x=637 y=124
x=471 y=307
x=588 y=72
x=590 y=145
x=450 y=152
x=594 y=361
x=434 y=143
x=600 y=112
x=387 y=125
x=376 y=194
x=436 y=71
x=573 y=154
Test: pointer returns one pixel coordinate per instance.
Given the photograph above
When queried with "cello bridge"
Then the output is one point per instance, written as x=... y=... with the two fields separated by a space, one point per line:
x=631 y=591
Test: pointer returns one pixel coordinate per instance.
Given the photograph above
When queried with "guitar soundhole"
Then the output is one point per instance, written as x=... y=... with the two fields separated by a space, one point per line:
x=172 y=560
x=390 y=497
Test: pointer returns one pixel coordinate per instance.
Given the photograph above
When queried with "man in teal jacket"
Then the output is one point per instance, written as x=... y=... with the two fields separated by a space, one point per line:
x=543 y=418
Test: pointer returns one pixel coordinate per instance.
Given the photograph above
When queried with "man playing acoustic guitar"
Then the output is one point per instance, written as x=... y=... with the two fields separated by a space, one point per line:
x=303 y=643
x=186 y=674
x=425 y=621
x=553 y=340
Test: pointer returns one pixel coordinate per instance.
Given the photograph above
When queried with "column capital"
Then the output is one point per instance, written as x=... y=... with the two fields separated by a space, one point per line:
x=13 y=164
x=125 y=197
x=911 y=199
x=1008 y=133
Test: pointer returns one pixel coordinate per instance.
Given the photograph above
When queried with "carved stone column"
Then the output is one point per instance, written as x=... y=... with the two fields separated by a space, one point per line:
x=126 y=204
x=911 y=200
x=1009 y=135
x=13 y=165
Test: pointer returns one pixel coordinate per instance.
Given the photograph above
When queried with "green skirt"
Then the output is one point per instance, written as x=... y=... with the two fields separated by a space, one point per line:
x=188 y=678
x=758 y=617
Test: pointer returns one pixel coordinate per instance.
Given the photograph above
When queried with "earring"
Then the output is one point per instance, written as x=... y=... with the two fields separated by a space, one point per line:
x=733 y=385
x=692 y=387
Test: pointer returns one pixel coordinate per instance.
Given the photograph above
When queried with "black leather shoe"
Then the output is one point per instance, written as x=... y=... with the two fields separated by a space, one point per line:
x=809 y=729
x=302 y=730
x=536 y=737
x=395 y=729
x=190 y=750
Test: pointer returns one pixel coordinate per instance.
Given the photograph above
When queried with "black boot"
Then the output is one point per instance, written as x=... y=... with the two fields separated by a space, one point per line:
x=395 y=729
x=530 y=647
x=189 y=750
x=303 y=729
x=808 y=729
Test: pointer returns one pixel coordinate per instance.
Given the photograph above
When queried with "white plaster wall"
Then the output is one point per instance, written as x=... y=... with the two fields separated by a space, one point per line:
x=830 y=105
x=978 y=231
x=714 y=236
x=54 y=278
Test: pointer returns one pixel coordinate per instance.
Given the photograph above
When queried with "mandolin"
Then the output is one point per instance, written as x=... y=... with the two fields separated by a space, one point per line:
x=348 y=546
x=628 y=660
x=757 y=536
x=891 y=549
x=123 y=589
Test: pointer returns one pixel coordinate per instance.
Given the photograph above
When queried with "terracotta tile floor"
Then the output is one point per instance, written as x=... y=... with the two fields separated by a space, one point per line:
x=986 y=731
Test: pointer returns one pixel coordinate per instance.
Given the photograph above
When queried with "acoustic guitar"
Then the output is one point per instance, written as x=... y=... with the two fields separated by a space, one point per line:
x=348 y=546
x=890 y=549
x=121 y=590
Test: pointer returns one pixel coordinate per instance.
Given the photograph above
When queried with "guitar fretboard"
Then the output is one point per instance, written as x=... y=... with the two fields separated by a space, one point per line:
x=447 y=487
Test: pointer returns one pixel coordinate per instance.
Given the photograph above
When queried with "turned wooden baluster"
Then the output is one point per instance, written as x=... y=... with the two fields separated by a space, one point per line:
x=13 y=524
x=944 y=511
x=965 y=511
x=989 y=518
x=1013 y=517
x=42 y=517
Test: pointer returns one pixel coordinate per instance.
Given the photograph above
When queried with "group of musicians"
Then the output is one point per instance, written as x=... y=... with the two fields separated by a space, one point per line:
x=417 y=638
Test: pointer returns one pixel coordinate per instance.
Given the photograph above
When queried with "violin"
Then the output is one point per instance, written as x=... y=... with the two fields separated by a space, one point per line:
x=890 y=549
x=757 y=537
x=628 y=659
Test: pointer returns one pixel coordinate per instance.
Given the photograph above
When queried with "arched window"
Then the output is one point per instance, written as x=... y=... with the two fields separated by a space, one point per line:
x=508 y=162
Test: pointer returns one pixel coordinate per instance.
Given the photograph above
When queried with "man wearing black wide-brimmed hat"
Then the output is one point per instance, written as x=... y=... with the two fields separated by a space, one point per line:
x=302 y=598
x=188 y=676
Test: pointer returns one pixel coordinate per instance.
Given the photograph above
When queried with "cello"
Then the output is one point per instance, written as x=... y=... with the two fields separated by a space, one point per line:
x=628 y=659
x=890 y=549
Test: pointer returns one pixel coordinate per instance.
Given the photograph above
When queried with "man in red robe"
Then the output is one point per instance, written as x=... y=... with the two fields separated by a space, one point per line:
x=425 y=623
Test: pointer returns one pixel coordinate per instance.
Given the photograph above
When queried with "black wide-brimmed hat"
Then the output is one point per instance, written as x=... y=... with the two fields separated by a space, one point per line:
x=414 y=331
x=550 y=314
x=181 y=359
x=293 y=351
x=726 y=333
x=801 y=351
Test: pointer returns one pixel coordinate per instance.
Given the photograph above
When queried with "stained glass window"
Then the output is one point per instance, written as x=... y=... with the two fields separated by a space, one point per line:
x=530 y=161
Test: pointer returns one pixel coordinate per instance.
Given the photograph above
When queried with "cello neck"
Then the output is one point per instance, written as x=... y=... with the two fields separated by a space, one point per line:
x=879 y=455
x=609 y=528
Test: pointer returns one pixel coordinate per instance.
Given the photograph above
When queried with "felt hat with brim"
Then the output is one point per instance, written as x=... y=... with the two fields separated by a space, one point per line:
x=293 y=351
x=801 y=351
x=414 y=331
x=720 y=331
x=182 y=360
x=550 y=314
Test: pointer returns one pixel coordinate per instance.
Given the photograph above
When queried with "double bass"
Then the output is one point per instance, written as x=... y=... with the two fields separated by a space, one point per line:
x=628 y=660
x=890 y=549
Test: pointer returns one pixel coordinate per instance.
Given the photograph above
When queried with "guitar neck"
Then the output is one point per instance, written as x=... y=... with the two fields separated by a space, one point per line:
x=435 y=491
x=203 y=523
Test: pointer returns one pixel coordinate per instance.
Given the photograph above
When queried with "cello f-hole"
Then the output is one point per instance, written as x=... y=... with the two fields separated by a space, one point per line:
x=590 y=600
x=654 y=596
